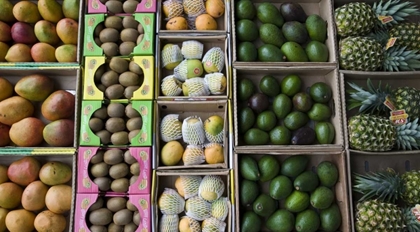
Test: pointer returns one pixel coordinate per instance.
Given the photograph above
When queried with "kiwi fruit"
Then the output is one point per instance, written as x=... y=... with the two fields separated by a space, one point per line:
x=96 y=228
x=98 y=157
x=101 y=87
x=139 y=38
x=100 y=113
x=115 y=110
x=103 y=183
x=130 y=112
x=114 y=91
x=109 y=78
x=99 y=72
x=128 y=158
x=98 y=41
x=136 y=218
x=103 y=1
x=129 y=35
x=135 y=68
x=133 y=179
x=130 y=6
x=130 y=22
x=133 y=134
x=120 y=185
x=128 y=79
x=117 y=171
x=96 y=124
x=130 y=227
x=114 y=7
x=129 y=91
x=109 y=35
x=118 y=64
x=131 y=206
x=97 y=205
x=110 y=48
x=104 y=136
x=115 y=228
x=100 y=217
x=135 y=169
x=134 y=123
x=116 y=203
x=140 y=28
x=123 y=217
x=98 y=29
x=113 y=156
x=119 y=138
x=114 y=22
x=100 y=169
x=114 y=125
x=126 y=48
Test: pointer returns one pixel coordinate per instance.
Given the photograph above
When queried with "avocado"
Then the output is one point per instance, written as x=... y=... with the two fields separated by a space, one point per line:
x=307 y=181
x=269 y=167
x=246 y=51
x=317 y=51
x=294 y=165
x=255 y=136
x=245 y=10
x=282 y=105
x=292 y=11
x=251 y=222
x=302 y=102
x=248 y=167
x=297 y=201
x=258 y=102
x=268 y=13
x=271 y=34
x=264 y=205
x=327 y=173
x=320 y=92
x=307 y=221
x=281 y=221
x=246 y=119
x=295 y=120
x=266 y=120
x=322 y=197
x=245 y=89
x=319 y=112
x=248 y=192
x=294 y=52
x=295 y=31
x=269 y=85
x=280 y=187
x=246 y=30
x=330 y=218
x=270 y=53
x=316 y=27
x=303 y=136
x=324 y=132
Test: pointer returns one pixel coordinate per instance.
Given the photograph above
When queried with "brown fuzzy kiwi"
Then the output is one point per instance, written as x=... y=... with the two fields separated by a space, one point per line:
x=120 y=170
x=136 y=218
x=100 y=113
x=110 y=49
x=130 y=22
x=112 y=227
x=96 y=124
x=135 y=68
x=96 y=228
x=116 y=203
x=129 y=34
x=101 y=87
x=131 y=206
x=114 y=22
x=129 y=79
x=130 y=227
x=99 y=203
x=123 y=217
x=134 y=123
x=98 y=157
x=129 y=91
x=140 y=38
x=130 y=112
x=98 y=41
x=99 y=72
x=103 y=1
x=130 y=6
x=135 y=169
x=98 y=29
x=128 y=158
x=115 y=110
x=115 y=125
x=114 y=7
x=113 y=156
x=109 y=78
x=99 y=170
x=104 y=183
x=120 y=185
x=109 y=35
x=100 y=217
x=118 y=64
x=140 y=28
x=120 y=138
x=126 y=48
x=133 y=134
x=114 y=91
x=104 y=136
x=133 y=179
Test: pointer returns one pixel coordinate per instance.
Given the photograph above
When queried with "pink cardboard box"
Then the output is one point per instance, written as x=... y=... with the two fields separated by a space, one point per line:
x=141 y=186
x=95 y=6
x=84 y=201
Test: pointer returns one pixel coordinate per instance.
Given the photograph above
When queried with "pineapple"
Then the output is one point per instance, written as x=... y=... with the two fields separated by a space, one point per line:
x=372 y=100
x=407 y=34
x=359 y=18
x=375 y=215
x=374 y=133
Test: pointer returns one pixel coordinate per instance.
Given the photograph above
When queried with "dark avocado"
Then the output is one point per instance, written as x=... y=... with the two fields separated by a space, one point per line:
x=303 y=136
x=258 y=102
x=292 y=11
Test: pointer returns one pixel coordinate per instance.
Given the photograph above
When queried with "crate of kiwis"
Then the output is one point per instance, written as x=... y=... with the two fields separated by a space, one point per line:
x=115 y=170
x=121 y=7
x=118 y=78
x=118 y=123
x=119 y=35
x=109 y=212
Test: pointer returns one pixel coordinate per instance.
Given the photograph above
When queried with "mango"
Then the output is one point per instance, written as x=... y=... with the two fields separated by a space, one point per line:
x=24 y=170
x=34 y=87
x=5 y=32
x=19 y=52
x=55 y=173
x=43 y=52
x=4 y=135
x=49 y=221
x=71 y=9
x=58 y=105
x=33 y=196
x=6 y=12
x=4 y=47
x=20 y=220
x=58 y=198
x=67 y=30
x=54 y=131
x=3 y=213
x=66 y=53
x=27 y=132
x=6 y=88
x=45 y=31
x=205 y=22
x=15 y=108
x=3 y=174
x=50 y=10
x=23 y=33
x=11 y=195
x=26 y=11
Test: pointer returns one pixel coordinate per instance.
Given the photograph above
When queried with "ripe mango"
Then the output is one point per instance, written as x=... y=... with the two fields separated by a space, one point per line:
x=4 y=135
x=27 y=132
x=11 y=194
x=20 y=220
x=66 y=53
x=50 y=10
x=6 y=88
x=54 y=131
x=34 y=87
x=5 y=32
x=19 y=52
x=23 y=33
x=71 y=9
x=58 y=105
x=26 y=11
x=3 y=213
x=6 y=11
x=33 y=197
x=58 y=198
x=4 y=47
x=67 y=30
x=55 y=173
x=14 y=109
x=45 y=31
x=24 y=170
x=43 y=52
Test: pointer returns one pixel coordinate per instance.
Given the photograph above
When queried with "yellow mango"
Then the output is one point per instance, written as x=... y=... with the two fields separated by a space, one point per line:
x=50 y=10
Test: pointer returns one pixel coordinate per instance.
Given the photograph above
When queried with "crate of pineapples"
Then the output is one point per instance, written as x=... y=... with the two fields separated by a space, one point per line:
x=378 y=35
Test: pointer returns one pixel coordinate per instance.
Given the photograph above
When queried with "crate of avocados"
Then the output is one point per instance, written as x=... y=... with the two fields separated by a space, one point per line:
x=41 y=33
x=121 y=7
x=279 y=34
x=96 y=212
x=191 y=134
x=119 y=35
x=287 y=110
x=37 y=108
x=114 y=170
x=193 y=67
x=201 y=17
x=391 y=114
x=382 y=171
x=191 y=199
x=118 y=78
x=299 y=191
x=37 y=192
x=116 y=123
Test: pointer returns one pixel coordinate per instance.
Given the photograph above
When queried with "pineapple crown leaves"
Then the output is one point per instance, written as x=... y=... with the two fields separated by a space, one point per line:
x=408 y=136
x=400 y=58
x=383 y=185
x=368 y=100
x=380 y=35
x=395 y=8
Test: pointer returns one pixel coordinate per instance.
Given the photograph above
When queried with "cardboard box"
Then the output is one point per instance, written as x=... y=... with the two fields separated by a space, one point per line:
x=166 y=179
x=223 y=24
x=142 y=185
x=341 y=187
x=221 y=41
x=308 y=78
x=184 y=109
x=323 y=8
x=95 y=7
x=145 y=47
x=70 y=160
x=92 y=64
x=143 y=138
x=84 y=201
x=64 y=78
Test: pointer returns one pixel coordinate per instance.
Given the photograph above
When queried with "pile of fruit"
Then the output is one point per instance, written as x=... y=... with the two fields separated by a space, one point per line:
x=119 y=35
x=280 y=113
x=35 y=195
x=116 y=123
x=287 y=33
x=189 y=65
x=119 y=7
x=199 y=199
x=113 y=214
x=119 y=78
x=192 y=14
x=297 y=198
x=114 y=170
x=44 y=31
x=19 y=105
x=204 y=141
x=378 y=37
